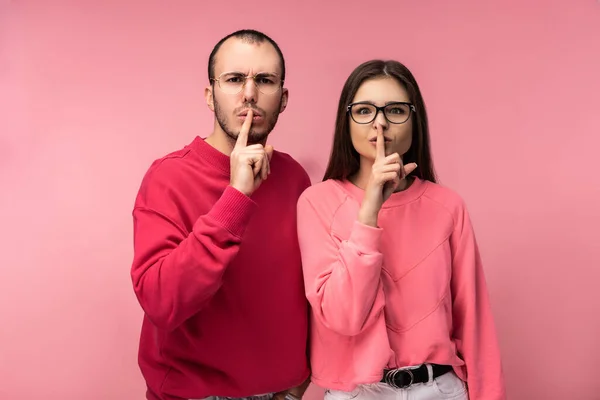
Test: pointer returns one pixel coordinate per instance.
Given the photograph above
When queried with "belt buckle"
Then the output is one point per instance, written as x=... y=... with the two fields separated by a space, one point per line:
x=390 y=378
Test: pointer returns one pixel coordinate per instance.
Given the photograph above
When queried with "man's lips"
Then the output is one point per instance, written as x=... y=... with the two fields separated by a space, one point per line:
x=254 y=114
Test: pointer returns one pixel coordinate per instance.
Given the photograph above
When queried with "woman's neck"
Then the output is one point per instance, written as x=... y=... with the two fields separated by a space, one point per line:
x=361 y=178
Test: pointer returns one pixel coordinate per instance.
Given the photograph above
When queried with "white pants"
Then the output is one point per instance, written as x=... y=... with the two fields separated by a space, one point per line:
x=445 y=387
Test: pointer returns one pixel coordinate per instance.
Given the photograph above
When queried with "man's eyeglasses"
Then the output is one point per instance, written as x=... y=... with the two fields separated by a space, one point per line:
x=233 y=82
x=365 y=113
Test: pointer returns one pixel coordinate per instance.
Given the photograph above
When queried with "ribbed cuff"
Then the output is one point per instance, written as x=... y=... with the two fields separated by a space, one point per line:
x=365 y=238
x=233 y=210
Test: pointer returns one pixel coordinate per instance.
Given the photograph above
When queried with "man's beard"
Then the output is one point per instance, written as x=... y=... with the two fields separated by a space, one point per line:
x=254 y=136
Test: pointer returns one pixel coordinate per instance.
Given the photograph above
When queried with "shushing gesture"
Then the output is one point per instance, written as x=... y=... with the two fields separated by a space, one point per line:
x=249 y=165
x=386 y=176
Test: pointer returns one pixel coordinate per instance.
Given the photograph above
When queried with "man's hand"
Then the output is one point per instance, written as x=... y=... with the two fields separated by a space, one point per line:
x=249 y=165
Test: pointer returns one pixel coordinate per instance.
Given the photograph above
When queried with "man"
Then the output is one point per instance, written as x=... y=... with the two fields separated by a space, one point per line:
x=217 y=266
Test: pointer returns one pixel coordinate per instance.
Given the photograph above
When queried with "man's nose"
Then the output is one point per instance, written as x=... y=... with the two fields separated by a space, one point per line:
x=250 y=91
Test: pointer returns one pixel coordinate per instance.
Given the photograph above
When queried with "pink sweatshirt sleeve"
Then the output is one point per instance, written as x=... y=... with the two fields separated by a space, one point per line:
x=342 y=276
x=175 y=272
x=474 y=329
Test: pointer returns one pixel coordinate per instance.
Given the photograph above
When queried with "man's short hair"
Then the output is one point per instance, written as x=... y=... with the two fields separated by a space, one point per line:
x=249 y=36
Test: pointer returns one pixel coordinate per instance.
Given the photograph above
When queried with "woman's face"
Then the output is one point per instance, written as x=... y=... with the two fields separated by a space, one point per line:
x=380 y=92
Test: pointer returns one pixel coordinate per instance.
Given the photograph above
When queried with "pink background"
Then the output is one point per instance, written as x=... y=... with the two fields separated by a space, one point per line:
x=92 y=92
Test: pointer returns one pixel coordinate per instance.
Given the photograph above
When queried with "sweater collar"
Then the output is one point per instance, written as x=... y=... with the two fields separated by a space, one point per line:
x=413 y=192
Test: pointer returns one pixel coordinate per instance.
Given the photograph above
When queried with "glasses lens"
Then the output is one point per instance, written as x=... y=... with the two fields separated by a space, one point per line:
x=232 y=82
x=267 y=83
x=362 y=113
x=397 y=113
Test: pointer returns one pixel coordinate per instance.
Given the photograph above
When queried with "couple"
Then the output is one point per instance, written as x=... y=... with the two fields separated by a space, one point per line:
x=230 y=241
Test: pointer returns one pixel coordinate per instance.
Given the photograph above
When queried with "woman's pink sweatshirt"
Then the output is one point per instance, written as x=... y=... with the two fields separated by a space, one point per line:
x=411 y=291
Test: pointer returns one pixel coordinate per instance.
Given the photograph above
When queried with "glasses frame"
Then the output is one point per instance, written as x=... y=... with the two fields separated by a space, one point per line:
x=246 y=77
x=411 y=108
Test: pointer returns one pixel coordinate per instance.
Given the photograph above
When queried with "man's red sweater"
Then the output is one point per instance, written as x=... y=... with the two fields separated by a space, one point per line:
x=219 y=277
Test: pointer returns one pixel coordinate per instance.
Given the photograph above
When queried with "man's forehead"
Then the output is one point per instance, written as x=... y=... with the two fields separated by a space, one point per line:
x=242 y=56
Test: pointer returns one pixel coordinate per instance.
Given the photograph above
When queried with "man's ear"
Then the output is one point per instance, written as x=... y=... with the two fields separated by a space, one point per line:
x=208 y=95
x=284 y=99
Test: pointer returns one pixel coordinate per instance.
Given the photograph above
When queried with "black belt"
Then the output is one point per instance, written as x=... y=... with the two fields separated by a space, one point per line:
x=403 y=378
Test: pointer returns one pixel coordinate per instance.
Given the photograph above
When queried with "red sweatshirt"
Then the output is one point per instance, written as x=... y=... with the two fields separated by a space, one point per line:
x=219 y=277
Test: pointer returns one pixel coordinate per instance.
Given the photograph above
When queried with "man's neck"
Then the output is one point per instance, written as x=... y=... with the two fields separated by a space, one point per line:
x=222 y=142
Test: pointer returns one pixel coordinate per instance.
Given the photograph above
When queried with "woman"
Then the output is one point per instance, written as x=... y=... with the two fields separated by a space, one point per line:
x=399 y=305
